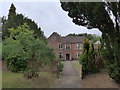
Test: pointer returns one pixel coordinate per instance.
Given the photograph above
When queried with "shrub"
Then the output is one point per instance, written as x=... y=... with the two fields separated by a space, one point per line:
x=88 y=59
x=59 y=68
x=14 y=55
x=112 y=64
x=113 y=72
x=22 y=51
x=82 y=61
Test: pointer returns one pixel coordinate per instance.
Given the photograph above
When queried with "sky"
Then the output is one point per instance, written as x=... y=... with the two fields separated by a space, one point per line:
x=49 y=16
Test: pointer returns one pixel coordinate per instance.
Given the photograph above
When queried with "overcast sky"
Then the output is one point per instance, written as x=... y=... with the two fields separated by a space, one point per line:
x=49 y=16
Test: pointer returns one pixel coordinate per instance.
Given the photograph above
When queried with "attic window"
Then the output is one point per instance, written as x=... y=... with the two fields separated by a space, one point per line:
x=54 y=38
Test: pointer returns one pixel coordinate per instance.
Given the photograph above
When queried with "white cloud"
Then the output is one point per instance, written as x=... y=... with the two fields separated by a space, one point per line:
x=49 y=16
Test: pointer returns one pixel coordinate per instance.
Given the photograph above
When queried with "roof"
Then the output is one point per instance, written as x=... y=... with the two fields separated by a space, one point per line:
x=72 y=39
x=67 y=39
x=97 y=42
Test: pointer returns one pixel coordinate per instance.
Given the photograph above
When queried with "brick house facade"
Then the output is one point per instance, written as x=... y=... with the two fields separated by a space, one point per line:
x=66 y=48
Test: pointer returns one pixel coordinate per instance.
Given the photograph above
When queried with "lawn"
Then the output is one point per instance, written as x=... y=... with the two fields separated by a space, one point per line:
x=77 y=66
x=16 y=80
x=0 y=49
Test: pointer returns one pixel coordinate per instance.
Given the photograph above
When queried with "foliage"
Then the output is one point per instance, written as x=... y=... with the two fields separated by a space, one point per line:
x=12 y=11
x=38 y=56
x=111 y=62
x=88 y=60
x=22 y=47
x=89 y=14
x=15 y=20
x=28 y=50
x=81 y=59
x=15 y=46
x=59 y=68
x=14 y=55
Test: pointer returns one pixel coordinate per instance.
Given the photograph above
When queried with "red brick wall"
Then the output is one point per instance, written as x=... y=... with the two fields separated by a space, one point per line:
x=54 y=44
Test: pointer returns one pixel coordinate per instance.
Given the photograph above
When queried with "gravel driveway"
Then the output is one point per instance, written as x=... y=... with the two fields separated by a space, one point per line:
x=70 y=78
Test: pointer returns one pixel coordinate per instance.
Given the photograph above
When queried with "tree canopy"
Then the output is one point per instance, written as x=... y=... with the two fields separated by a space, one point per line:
x=15 y=20
x=23 y=52
x=89 y=14
x=106 y=17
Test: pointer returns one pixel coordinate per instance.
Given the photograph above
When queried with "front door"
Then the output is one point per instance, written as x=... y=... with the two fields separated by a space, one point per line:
x=67 y=56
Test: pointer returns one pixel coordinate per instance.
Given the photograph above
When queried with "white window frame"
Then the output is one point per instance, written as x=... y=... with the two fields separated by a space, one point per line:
x=66 y=46
x=79 y=46
x=78 y=54
x=60 y=53
x=60 y=46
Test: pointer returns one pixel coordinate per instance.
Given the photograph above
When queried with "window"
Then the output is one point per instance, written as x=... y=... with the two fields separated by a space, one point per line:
x=60 y=45
x=60 y=55
x=78 y=54
x=78 y=46
x=53 y=38
x=68 y=46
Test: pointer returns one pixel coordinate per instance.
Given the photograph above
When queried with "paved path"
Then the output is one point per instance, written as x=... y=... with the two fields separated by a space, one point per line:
x=70 y=78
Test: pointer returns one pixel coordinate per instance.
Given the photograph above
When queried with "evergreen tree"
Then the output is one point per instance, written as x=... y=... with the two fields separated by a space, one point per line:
x=15 y=20
x=98 y=15
x=12 y=11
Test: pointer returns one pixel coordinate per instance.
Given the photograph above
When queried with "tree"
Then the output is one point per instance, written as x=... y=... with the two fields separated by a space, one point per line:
x=23 y=52
x=12 y=11
x=38 y=56
x=89 y=14
x=15 y=20
x=14 y=55
x=15 y=48
x=88 y=59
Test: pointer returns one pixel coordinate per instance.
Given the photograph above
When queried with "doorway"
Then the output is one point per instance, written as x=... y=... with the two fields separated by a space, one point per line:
x=67 y=56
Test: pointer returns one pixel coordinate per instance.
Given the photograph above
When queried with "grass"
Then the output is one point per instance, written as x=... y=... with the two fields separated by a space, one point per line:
x=0 y=78
x=77 y=66
x=16 y=80
x=0 y=49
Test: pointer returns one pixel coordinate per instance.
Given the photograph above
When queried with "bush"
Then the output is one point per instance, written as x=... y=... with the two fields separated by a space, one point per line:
x=112 y=60
x=22 y=51
x=59 y=68
x=81 y=58
x=14 y=55
x=113 y=72
x=88 y=59
x=82 y=61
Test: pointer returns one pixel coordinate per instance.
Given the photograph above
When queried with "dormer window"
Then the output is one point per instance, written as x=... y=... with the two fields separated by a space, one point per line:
x=54 y=38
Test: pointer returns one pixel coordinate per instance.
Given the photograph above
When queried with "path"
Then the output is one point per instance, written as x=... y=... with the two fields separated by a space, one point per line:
x=70 y=78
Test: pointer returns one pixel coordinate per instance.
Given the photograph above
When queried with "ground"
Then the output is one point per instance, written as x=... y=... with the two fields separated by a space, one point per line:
x=16 y=80
x=97 y=80
x=70 y=78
